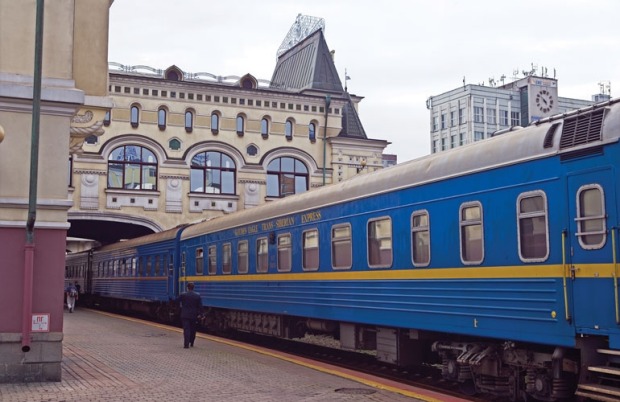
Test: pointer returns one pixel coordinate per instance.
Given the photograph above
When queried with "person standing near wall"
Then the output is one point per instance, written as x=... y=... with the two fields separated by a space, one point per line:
x=191 y=305
x=72 y=295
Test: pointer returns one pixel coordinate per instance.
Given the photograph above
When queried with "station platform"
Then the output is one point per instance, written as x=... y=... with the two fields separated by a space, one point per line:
x=112 y=358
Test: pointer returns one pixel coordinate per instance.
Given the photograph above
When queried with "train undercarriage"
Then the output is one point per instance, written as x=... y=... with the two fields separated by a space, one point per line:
x=516 y=372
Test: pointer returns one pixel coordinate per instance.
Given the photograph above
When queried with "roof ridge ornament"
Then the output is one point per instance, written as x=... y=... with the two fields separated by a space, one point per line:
x=303 y=27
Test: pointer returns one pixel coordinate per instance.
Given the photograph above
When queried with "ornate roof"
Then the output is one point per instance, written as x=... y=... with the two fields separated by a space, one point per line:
x=307 y=65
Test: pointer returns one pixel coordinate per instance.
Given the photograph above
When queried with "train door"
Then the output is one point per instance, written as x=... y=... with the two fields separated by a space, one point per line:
x=590 y=251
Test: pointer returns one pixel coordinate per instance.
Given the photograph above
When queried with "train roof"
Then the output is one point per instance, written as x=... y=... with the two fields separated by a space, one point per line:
x=147 y=239
x=570 y=132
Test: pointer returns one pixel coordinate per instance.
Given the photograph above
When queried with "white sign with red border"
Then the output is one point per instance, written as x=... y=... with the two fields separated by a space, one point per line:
x=41 y=322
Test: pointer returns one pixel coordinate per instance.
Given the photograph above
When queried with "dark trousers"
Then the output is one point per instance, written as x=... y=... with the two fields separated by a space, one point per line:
x=189 y=331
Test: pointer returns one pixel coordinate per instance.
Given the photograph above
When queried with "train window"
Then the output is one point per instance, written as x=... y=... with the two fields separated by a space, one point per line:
x=420 y=239
x=590 y=219
x=212 y=267
x=157 y=265
x=310 y=250
x=149 y=266
x=242 y=257
x=284 y=253
x=134 y=262
x=199 y=261
x=342 y=251
x=262 y=255
x=379 y=236
x=532 y=226
x=472 y=236
x=226 y=259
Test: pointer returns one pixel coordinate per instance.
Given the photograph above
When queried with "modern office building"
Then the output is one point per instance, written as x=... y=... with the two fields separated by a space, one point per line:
x=475 y=112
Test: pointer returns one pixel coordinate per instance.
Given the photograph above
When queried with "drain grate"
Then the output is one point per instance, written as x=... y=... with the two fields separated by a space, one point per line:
x=356 y=391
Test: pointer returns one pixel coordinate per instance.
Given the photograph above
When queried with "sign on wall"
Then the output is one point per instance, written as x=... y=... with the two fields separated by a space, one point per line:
x=41 y=322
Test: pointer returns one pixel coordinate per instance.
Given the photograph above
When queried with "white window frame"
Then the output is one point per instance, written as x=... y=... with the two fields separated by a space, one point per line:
x=463 y=223
x=528 y=215
x=419 y=229
x=382 y=242
x=579 y=219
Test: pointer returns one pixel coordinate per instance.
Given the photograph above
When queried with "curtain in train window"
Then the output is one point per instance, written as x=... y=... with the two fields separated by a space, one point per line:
x=212 y=268
x=472 y=239
x=311 y=250
x=157 y=265
x=284 y=253
x=262 y=255
x=199 y=261
x=242 y=257
x=591 y=217
x=342 y=252
x=226 y=262
x=420 y=239
x=533 y=230
x=380 y=243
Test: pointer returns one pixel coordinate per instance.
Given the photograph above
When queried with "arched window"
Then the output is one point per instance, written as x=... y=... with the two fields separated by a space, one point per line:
x=288 y=130
x=264 y=127
x=215 y=123
x=174 y=144
x=240 y=125
x=312 y=132
x=212 y=173
x=161 y=118
x=135 y=116
x=132 y=167
x=286 y=176
x=189 y=121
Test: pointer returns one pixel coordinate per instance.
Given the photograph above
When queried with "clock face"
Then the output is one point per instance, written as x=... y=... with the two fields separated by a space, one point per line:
x=544 y=101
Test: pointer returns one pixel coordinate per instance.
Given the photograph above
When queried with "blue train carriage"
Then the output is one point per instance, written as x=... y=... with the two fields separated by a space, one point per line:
x=499 y=256
x=138 y=275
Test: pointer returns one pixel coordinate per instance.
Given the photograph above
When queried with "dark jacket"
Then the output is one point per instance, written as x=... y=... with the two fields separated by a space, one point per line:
x=191 y=304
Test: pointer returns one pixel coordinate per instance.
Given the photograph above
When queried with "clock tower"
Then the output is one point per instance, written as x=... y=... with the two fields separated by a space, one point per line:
x=542 y=97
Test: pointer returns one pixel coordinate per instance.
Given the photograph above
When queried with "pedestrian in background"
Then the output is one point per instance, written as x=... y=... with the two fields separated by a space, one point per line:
x=72 y=295
x=191 y=304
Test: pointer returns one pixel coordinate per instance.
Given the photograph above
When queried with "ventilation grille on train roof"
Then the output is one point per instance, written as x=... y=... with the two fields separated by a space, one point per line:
x=582 y=129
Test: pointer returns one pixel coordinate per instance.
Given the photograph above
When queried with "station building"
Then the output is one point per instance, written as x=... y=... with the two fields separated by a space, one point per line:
x=475 y=112
x=181 y=147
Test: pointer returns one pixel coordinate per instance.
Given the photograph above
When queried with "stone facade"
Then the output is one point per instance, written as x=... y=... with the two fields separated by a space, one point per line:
x=175 y=116
x=73 y=86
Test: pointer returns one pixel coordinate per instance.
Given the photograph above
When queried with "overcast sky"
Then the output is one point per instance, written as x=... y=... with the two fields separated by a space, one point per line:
x=397 y=52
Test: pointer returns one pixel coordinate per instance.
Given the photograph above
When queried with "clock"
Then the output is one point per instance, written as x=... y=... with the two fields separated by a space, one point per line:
x=544 y=101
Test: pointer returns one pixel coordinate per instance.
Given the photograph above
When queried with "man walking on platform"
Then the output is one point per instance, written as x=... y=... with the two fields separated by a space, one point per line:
x=191 y=304
x=71 y=293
